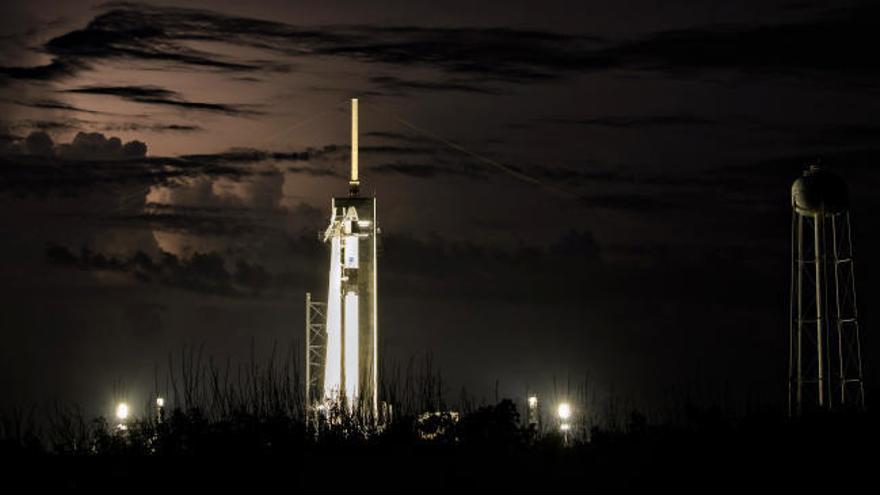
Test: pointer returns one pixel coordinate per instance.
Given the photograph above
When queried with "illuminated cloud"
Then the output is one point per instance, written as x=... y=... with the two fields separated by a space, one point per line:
x=153 y=95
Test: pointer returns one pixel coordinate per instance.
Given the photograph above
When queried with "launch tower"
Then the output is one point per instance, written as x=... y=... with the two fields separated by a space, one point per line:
x=342 y=360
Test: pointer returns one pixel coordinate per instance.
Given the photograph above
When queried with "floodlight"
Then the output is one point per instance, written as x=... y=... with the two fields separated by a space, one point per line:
x=564 y=411
x=122 y=411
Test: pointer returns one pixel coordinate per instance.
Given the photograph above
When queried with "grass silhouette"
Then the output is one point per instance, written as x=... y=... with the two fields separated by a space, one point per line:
x=245 y=426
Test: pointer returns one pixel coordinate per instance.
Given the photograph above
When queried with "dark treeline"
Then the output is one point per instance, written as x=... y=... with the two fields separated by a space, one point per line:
x=245 y=426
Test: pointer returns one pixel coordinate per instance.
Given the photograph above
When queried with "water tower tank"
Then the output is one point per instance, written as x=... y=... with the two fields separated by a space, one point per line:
x=819 y=190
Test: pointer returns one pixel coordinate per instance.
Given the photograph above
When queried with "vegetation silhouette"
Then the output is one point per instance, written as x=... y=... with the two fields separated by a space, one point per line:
x=246 y=427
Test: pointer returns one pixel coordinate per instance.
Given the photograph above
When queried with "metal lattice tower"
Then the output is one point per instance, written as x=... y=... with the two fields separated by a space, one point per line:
x=825 y=365
x=316 y=344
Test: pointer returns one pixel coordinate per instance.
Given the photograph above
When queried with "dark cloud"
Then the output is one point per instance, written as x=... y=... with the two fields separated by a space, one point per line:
x=127 y=92
x=209 y=272
x=491 y=270
x=160 y=34
x=96 y=146
x=115 y=162
x=397 y=136
x=10 y=143
x=428 y=170
x=250 y=155
x=50 y=104
x=397 y=150
x=153 y=95
x=84 y=146
x=639 y=203
x=24 y=174
x=592 y=173
x=396 y=85
x=857 y=165
x=314 y=172
x=39 y=144
x=570 y=175
x=138 y=32
x=836 y=43
x=54 y=70
x=50 y=125
x=837 y=135
x=99 y=159
x=635 y=122
x=202 y=272
x=141 y=127
x=228 y=219
x=347 y=91
x=309 y=215
x=493 y=54
x=197 y=221
x=30 y=165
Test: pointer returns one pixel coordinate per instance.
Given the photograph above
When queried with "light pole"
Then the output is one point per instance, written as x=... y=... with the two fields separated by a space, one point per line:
x=160 y=409
x=533 y=417
x=122 y=415
x=533 y=410
x=563 y=412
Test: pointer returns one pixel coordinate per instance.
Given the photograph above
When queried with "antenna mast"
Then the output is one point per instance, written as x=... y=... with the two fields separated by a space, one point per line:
x=354 y=184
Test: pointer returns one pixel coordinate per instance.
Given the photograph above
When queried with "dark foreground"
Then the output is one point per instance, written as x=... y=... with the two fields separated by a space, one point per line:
x=486 y=450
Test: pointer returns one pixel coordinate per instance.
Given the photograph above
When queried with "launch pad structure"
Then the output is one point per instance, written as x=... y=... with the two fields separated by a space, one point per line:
x=825 y=363
x=342 y=333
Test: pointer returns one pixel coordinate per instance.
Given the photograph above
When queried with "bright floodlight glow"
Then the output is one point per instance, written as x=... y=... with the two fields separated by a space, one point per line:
x=564 y=411
x=160 y=402
x=333 y=369
x=352 y=326
x=533 y=402
x=565 y=427
x=122 y=411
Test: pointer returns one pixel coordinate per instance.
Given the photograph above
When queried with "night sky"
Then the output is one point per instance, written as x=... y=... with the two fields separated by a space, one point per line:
x=629 y=217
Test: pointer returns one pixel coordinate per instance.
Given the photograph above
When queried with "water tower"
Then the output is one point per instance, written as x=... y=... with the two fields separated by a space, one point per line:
x=825 y=364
